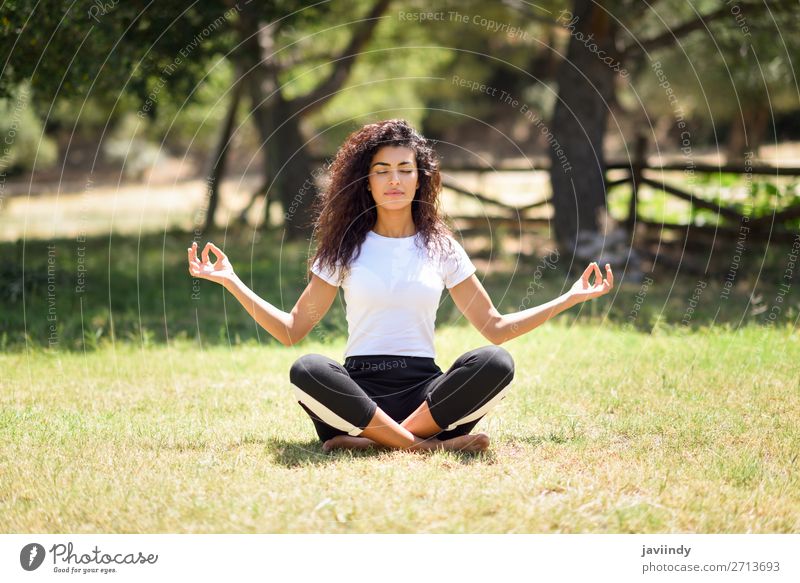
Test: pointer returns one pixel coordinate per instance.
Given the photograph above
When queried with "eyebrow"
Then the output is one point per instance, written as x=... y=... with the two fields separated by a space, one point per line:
x=387 y=164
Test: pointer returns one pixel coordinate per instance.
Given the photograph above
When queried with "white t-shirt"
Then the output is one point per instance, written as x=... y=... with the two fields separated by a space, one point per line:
x=392 y=292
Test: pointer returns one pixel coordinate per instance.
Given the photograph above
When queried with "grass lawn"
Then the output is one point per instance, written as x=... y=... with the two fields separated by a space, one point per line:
x=607 y=429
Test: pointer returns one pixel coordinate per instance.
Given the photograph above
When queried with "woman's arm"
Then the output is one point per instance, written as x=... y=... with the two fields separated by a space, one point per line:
x=287 y=328
x=473 y=301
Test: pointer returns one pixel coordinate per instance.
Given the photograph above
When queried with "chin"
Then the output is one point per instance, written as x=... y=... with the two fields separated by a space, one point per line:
x=396 y=204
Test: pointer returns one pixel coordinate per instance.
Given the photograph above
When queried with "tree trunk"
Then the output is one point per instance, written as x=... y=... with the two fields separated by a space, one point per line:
x=756 y=120
x=287 y=167
x=219 y=158
x=293 y=183
x=286 y=164
x=585 y=87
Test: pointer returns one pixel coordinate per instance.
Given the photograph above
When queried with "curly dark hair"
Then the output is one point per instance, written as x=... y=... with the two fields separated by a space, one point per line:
x=345 y=211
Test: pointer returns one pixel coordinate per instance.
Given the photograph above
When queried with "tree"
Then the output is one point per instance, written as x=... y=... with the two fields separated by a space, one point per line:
x=747 y=79
x=605 y=39
x=278 y=117
x=133 y=52
x=118 y=55
x=585 y=90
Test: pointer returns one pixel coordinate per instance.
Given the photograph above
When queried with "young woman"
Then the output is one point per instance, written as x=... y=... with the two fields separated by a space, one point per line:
x=382 y=240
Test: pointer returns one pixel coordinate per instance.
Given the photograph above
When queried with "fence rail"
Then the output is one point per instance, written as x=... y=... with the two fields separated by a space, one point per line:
x=639 y=173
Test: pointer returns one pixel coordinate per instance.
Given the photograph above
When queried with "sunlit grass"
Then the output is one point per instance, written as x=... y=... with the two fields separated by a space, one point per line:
x=605 y=430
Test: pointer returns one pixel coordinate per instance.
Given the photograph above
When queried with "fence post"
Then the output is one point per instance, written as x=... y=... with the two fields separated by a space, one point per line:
x=639 y=162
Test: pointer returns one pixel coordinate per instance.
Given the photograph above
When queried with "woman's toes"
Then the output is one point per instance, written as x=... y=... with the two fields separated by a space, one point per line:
x=482 y=441
x=346 y=442
x=331 y=444
x=477 y=442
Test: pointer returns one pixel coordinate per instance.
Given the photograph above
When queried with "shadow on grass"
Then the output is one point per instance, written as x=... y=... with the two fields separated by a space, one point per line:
x=293 y=454
x=82 y=295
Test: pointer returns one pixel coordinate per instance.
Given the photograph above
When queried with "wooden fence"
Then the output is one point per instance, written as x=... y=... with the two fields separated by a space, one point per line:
x=771 y=226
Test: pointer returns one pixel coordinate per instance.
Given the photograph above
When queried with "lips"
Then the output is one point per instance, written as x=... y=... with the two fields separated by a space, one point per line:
x=393 y=193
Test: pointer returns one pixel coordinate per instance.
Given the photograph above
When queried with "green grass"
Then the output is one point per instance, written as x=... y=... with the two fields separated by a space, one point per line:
x=163 y=408
x=606 y=430
x=137 y=289
x=762 y=197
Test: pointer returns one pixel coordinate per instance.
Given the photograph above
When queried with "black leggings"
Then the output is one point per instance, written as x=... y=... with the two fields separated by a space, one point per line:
x=342 y=400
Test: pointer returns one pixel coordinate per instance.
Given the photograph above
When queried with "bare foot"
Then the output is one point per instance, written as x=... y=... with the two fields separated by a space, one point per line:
x=472 y=443
x=348 y=442
x=469 y=443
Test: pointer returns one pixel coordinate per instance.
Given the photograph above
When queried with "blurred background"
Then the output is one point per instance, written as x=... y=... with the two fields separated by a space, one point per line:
x=660 y=136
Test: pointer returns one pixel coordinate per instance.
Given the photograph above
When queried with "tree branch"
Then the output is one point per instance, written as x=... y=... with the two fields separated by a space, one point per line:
x=295 y=59
x=343 y=63
x=219 y=158
x=669 y=37
x=525 y=10
x=639 y=8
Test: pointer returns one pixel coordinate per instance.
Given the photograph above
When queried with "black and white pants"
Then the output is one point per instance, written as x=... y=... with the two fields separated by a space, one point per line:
x=343 y=399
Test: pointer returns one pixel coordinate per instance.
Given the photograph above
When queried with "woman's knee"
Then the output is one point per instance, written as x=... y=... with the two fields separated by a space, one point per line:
x=496 y=361
x=323 y=388
x=309 y=367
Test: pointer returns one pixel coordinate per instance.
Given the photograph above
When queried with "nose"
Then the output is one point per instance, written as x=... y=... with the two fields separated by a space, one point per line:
x=394 y=177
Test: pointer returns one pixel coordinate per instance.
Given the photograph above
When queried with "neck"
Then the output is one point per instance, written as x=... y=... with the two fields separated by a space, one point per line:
x=395 y=225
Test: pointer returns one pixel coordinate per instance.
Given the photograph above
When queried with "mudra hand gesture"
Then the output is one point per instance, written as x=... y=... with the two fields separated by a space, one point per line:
x=220 y=271
x=582 y=290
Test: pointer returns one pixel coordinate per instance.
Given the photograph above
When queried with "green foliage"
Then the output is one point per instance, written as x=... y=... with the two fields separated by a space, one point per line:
x=733 y=64
x=23 y=144
x=759 y=196
x=111 y=47
x=126 y=47
x=192 y=121
x=128 y=146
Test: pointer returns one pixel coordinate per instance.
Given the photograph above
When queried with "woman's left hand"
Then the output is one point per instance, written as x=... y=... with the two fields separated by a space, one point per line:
x=582 y=290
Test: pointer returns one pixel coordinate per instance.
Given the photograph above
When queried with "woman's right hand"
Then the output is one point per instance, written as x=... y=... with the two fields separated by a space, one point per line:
x=220 y=271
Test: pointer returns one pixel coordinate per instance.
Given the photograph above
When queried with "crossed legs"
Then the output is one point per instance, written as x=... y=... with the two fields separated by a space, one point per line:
x=383 y=430
x=346 y=417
